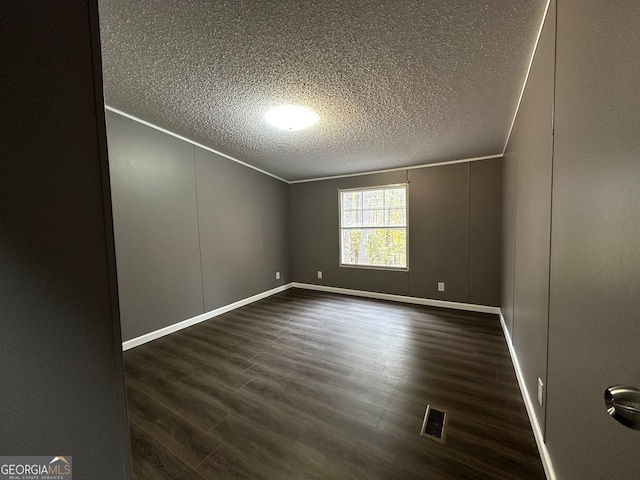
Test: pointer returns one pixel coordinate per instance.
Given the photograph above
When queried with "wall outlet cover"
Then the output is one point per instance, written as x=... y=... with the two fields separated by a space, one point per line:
x=277 y=275
x=441 y=286
x=319 y=273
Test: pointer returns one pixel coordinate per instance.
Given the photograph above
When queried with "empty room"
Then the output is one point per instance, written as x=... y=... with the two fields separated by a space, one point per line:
x=320 y=240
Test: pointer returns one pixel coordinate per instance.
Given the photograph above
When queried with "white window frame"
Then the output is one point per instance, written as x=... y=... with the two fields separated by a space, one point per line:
x=406 y=227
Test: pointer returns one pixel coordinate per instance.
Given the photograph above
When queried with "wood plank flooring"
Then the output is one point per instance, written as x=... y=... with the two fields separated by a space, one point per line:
x=308 y=385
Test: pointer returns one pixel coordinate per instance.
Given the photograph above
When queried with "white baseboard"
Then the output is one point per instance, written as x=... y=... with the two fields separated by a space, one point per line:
x=535 y=425
x=134 y=342
x=400 y=298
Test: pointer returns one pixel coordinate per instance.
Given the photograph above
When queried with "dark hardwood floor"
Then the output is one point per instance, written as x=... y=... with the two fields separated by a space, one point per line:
x=307 y=385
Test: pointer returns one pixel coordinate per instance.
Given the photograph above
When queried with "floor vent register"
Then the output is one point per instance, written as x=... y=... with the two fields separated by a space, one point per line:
x=434 y=424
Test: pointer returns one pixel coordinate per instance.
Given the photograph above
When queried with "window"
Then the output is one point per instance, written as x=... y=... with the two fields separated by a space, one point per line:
x=373 y=227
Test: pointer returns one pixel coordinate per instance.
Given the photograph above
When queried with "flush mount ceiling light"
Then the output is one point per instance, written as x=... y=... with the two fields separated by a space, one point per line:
x=291 y=117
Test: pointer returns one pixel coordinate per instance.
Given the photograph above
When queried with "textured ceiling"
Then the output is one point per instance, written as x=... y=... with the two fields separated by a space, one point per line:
x=395 y=83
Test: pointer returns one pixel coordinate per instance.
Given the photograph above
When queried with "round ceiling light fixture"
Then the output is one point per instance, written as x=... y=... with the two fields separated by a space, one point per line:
x=291 y=117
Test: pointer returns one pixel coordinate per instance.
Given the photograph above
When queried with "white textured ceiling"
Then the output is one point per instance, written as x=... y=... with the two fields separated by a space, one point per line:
x=395 y=83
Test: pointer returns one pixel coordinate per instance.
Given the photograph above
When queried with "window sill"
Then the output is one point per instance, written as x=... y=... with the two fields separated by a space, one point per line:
x=375 y=267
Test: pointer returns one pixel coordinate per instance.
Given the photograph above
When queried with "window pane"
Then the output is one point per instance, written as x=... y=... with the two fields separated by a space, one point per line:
x=395 y=197
x=396 y=217
x=351 y=200
x=380 y=247
x=351 y=218
x=372 y=199
x=373 y=218
x=350 y=244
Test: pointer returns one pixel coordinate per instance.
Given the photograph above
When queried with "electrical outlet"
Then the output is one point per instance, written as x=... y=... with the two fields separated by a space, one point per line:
x=441 y=286
x=277 y=275
x=540 y=390
x=319 y=273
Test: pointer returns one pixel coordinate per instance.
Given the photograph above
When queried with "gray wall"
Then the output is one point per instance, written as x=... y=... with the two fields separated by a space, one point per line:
x=594 y=326
x=585 y=330
x=528 y=158
x=194 y=231
x=509 y=193
x=446 y=233
x=485 y=224
x=60 y=355
x=156 y=226
x=439 y=232
x=243 y=227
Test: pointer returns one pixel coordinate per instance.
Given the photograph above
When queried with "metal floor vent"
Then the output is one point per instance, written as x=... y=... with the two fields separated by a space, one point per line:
x=434 y=424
